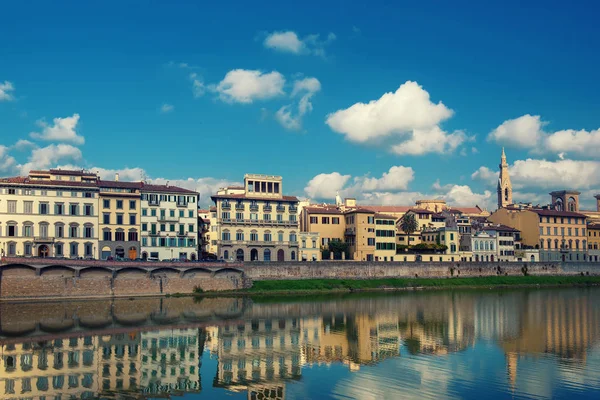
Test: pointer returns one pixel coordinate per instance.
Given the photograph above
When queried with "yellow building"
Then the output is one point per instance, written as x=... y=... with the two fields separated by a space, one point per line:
x=207 y=224
x=119 y=221
x=49 y=214
x=593 y=241
x=257 y=222
x=310 y=249
x=119 y=362
x=559 y=235
x=59 y=368
x=328 y=222
x=370 y=236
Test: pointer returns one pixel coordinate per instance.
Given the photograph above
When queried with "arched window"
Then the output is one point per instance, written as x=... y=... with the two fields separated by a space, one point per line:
x=486 y=245
x=293 y=255
x=293 y=237
x=577 y=244
x=541 y=243
x=239 y=255
x=226 y=254
x=492 y=246
x=225 y=235
x=570 y=243
x=549 y=244
x=505 y=194
x=74 y=250
x=267 y=255
x=559 y=204
x=253 y=255
x=59 y=230
x=476 y=245
x=572 y=204
x=28 y=229
x=74 y=230
x=556 y=244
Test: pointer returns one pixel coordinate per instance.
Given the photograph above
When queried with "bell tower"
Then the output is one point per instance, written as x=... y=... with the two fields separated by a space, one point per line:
x=504 y=185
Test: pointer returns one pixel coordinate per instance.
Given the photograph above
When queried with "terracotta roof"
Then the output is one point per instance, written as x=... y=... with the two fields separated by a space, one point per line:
x=119 y=184
x=244 y=196
x=165 y=189
x=468 y=210
x=34 y=182
x=383 y=216
x=500 y=227
x=421 y=211
x=360 y=211
x=213 y=208
x=203 y=211
x=318 y=210
x=384 y=209
x=556 y=213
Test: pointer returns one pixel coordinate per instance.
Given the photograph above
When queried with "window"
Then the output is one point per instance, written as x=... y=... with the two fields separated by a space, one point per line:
x=28 y=231
x=172 y=228
x=12 y=206
x=325 y=220
x=172 y=213
x=73 y=194
x=267 y=237
x=88 y=210
x=119 y=204
x=73 y=231
x=107 y=235
x=239 y=236
x=293 y=218
x=191 y=228
x=132 y=204
x=280 y=218
x=28 y=207
x=225 y=215
x=106 y=218
x=144 y=212
x=74 y=247
x=88 y=232
x=370 y=241
x=191 y=214
x=314 y=220
x=370 y=220
x=106 y=203
x=11 y=230
x=59 y=231
x=12 y=191
x=153 y=212
x=119 y=219
x=226 y=236
x=293 y=237
x=120 y=236
x=144 y=241
x=74 y=209
x=132 y=236
x=334 y=220
x=254 y=237
x=132 y=219
x=239 y=216
x=267 y=217
x=44 y=208
x=280 y=236
x=144 y=227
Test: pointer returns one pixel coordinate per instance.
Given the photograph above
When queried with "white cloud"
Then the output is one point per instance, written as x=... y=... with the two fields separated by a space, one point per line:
x=205 y=186
x=543 y=174
x=289 y=42
x=23 y=144
x=246 y=86
x=62 y=130
x=582 y=142
x=166 y=108
x=525 y=131
x=463 y=196
x=305 y=88
x=49 y=157
x=198 y=88
x=397 y=178
x=7 y=162
x=325 y=186
x=5 y=91
x=406 y=119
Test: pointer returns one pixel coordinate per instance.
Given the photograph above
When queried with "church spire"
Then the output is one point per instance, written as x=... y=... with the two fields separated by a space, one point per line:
x=504 y=185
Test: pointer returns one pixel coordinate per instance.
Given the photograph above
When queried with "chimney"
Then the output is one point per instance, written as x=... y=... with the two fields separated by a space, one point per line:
x=117 y=177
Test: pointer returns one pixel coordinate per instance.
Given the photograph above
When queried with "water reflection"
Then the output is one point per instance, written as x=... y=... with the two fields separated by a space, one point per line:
x=436 y=344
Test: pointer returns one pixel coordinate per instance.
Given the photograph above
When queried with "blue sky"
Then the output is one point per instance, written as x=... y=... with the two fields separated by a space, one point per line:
x=200 y=93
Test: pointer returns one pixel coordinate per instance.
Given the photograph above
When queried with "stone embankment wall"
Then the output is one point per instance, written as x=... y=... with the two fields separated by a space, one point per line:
x=23 y=282
x=26 y=282
x=371 y=270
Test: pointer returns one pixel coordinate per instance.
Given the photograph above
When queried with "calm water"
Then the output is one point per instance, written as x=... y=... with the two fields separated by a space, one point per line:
x=456 y=344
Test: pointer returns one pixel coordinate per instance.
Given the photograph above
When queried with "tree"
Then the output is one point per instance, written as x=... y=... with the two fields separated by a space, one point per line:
x=409 y=225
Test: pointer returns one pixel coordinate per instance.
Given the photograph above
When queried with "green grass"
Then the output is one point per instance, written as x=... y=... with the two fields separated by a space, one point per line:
x=398 y=283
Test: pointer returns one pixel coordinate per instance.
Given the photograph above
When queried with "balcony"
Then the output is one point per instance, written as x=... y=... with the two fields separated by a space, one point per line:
x=349 y=232
x=154 y=233
x=166 y=218
x=225 y=205
x=253 y=207
x=240 y=207
x=293 y=209
x=154 y=202
x=43 y=239
x=280 y=208
x=182 y=204
x=267 y=208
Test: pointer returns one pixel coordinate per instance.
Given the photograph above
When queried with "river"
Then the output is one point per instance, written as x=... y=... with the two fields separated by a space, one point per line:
x=472 y=344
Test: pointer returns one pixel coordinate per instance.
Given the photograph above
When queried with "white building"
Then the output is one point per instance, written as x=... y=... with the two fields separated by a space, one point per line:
x=484 y=246
x=506 y=240
x=169 y=222
x=49 y=214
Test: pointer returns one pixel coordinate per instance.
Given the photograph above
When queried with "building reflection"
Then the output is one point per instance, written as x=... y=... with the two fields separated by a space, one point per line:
x=266 y=348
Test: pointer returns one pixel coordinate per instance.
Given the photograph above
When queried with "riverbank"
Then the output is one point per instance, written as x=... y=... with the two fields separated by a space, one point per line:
x=356 y=285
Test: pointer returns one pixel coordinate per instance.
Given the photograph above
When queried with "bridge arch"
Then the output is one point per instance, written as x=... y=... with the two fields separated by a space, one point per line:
x=61 y=270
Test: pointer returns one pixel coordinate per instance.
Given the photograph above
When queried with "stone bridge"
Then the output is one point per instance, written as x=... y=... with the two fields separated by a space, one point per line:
x=44 y=265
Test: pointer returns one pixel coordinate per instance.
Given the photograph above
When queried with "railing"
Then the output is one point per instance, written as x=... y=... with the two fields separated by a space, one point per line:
x=182 y=204
x=350 y=232
x=280 y=208
x=155 y=233
x=154 y=202
x=240 y=207
x=226 y=205
x=258 y=222
x=293 y=209
x=253 y=207
x=267 y=208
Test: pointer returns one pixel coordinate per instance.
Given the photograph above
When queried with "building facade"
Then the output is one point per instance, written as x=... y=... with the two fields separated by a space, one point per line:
x=49 y=214
x=169 y=218
x=257 y=222
x=310 y=248
x=119 y=222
